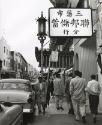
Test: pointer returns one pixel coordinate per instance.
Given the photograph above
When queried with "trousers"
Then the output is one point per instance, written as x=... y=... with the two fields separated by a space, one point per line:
x=79 y=108
x=59 y=100
x=94 y=101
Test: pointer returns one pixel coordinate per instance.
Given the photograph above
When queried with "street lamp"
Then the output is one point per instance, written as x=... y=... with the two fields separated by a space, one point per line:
x=41 y=36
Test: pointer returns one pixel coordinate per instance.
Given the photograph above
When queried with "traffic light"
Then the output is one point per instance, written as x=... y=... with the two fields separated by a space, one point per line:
x=0 y=64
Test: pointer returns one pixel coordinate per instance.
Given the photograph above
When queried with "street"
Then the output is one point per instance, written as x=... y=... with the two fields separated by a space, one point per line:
x=54 y=117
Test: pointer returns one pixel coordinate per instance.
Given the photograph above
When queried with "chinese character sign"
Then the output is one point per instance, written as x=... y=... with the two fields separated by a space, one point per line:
x=70 y=22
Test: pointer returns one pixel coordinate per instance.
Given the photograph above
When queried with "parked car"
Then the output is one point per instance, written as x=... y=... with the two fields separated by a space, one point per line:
x=18 y=91
x=11 y=115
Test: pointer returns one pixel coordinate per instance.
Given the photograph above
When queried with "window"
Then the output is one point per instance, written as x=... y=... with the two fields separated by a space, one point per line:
x=15 y=86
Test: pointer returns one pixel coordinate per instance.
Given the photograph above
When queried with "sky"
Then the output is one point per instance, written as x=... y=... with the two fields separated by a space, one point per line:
x=19 y=27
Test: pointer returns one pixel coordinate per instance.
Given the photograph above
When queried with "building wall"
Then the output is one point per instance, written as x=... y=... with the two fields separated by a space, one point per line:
x=85 y=49
x=19 y=65
x=92 y=49
x=85 y=57
x=30 y=70
x=99 y=42
x=4 y=54
x=16 y=63
x=24 y=68
x=92 y=3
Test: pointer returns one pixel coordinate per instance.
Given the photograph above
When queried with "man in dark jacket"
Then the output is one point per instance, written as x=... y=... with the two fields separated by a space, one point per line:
x=58 y=91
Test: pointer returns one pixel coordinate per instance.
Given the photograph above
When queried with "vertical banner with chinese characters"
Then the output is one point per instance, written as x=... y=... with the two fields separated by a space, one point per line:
x=70 y=22
x=54 y=56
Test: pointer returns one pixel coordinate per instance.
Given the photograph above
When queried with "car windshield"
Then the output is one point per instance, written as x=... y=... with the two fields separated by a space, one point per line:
x=15 y=86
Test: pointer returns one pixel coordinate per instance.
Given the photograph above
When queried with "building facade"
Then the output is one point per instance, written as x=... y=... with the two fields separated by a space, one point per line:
x=5 y=57
x=87 y=51
x=99 y=46
x=16 y=63
x=19 y=65
x=32 y=73
x=24 y=67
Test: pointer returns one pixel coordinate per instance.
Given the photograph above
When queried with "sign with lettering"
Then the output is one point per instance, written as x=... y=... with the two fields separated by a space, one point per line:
x=70 y=22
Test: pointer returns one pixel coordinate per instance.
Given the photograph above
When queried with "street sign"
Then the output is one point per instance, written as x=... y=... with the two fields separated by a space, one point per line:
x=54 y=56
x=70 y=22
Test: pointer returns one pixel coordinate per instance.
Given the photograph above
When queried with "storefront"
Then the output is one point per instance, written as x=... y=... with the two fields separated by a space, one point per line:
x=85 y=56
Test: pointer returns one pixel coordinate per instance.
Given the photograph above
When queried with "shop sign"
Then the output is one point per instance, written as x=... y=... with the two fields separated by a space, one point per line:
x=70 y=22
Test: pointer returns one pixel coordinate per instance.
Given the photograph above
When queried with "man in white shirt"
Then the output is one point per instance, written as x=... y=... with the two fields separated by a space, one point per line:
x=93 y=88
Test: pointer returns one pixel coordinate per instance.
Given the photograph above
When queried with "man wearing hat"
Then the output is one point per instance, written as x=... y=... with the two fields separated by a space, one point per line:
x=41 y=90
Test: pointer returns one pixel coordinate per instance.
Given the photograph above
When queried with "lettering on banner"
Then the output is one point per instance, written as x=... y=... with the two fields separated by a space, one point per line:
x=69 y=13
x=55 y=23
x=84 y=23
x=75 y=22
x=78 y=13
x=60 y=13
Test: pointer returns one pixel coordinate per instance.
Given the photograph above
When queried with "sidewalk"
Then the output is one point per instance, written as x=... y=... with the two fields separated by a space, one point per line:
x=58 y=117
x=51 y=109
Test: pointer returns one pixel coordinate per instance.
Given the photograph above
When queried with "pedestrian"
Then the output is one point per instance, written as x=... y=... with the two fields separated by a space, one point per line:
x=68 y=96
x=93 y=88
x=58 y=91
x=77 y=91
x=51 y=86
x=41 y=90
x=50 y=89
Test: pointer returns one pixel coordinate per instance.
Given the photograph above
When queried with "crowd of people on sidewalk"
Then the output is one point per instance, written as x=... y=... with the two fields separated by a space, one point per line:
x=76 y=91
